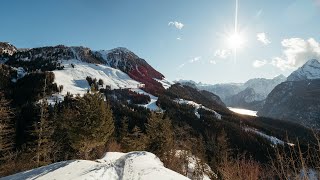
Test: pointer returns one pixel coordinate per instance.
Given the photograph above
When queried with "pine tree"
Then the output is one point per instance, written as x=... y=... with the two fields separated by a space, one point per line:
x=160 y=135
x=92 y=126
x=43 y=131
x=135 y=141
x=7 y=131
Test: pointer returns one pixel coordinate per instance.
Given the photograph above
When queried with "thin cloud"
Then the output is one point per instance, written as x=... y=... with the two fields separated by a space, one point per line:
x=212 y=62
x=222 y=53
x=262 y=37
x=259 y=63
x=181 y=66
x=296 y=52
x=258 y=14
x=176 y=24
x=195 y=59
x=179 y=38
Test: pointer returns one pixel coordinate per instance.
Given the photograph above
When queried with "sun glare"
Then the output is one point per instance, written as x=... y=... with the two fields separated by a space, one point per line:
x=236 y=41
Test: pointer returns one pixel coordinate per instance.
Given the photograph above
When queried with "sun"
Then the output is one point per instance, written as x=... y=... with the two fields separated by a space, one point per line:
x=236 y=41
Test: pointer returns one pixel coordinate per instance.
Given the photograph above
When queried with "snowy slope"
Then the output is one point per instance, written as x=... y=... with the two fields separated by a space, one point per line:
x=74 y=79
x=114 y=166
x=152 y=105
x=310 y=70
x=197 y=107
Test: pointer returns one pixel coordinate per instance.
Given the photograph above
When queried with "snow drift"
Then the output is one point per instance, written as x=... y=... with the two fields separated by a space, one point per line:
x=134 y=165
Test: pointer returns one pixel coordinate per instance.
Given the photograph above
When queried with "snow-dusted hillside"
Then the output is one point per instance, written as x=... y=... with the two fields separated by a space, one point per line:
x=197 y=107
x=310 y=70
x=74 y=79
x=114 y=166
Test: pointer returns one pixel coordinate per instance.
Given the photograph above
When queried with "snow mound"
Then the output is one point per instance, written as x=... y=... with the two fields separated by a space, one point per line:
x=197 y=107
x=114 y=166
x=74 y=80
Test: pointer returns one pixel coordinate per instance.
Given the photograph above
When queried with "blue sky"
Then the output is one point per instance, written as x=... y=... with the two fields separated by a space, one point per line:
x=194 y=46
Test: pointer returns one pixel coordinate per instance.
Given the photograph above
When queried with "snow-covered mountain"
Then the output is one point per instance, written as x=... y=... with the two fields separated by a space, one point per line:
x=57 y=57
x=114 y=166
x=310 y=70
x=250 y=94
x=298 y=98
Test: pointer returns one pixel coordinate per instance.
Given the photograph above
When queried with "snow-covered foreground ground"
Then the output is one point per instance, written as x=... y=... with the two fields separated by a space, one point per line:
x=74 y=79
x=243 y=111
x=114 y=166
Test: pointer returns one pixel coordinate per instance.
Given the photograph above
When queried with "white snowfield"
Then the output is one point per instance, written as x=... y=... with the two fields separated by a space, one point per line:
x=243 y=111
x=74 y=79
x=197 y=107
x=138 y=165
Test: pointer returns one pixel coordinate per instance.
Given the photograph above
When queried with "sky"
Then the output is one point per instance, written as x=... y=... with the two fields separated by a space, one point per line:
x=183 y=39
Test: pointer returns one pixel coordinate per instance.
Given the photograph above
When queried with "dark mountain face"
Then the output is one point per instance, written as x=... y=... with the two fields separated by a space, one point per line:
x=247 y=98
x=297 y=101
x=137 y=68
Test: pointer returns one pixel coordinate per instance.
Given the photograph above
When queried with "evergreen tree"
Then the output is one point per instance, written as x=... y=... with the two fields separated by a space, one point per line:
x=160 y=135
x=135 y=141
x=92 y=125
x=7 y=130
x=43 y=131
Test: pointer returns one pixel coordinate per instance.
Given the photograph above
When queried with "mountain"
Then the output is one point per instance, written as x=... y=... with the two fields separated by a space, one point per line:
x=297 y=99
x=310 y=70
x=247 y=98
x=57 y=57
x=250 y=94
x=136 y=67
x=7 y=48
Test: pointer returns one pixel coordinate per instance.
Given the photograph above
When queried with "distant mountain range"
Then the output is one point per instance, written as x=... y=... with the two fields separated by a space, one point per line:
x=298 y=98
x=250 y=95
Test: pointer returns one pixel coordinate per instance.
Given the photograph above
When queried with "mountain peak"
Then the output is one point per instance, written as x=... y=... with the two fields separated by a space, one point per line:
x=7 y=48
x=310 y=70
x=312 y=62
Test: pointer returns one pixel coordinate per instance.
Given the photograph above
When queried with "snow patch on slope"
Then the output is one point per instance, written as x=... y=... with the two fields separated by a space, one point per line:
x=197 y=107
x=165 y=83
x=74 y=79
x=114 y=166
x=272 y=139
x=152 y=105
